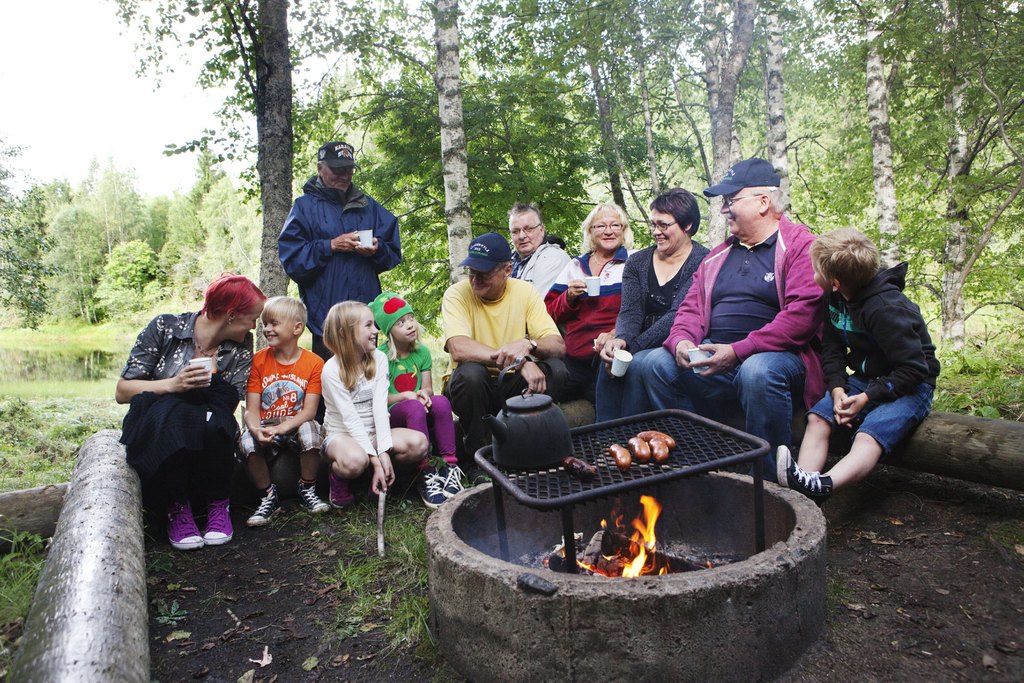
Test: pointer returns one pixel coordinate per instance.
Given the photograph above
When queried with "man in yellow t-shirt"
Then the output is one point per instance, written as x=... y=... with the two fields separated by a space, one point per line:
x=492 y=323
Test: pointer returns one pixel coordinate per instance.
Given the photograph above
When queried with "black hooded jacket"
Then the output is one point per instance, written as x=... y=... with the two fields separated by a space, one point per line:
x=881 y=335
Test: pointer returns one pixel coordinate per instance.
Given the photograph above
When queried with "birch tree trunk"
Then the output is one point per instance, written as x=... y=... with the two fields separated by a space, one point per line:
x=455 y=168
x=881 y=147
x=604 y=116
x=725 y=56
x=645 y=95
x=955 y=249
x=273 y=98
x=776 y=103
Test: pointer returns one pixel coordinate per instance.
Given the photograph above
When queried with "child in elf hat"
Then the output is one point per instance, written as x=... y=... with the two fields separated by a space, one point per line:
x=411 y=399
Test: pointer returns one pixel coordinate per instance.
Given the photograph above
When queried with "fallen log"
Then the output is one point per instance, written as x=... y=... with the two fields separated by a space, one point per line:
x=34 y=511
x=88 y=620
x=977 y=449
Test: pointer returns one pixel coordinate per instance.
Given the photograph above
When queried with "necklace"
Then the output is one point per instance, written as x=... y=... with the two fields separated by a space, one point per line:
x=202 y=350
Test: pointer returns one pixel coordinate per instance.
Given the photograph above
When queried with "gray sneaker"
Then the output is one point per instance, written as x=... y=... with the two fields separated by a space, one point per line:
x=311 y=502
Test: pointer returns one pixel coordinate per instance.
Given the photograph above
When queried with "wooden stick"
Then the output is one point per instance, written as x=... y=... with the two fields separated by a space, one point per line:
x=380 y=522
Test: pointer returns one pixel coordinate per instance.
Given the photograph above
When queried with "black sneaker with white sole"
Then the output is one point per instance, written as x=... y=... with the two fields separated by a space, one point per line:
x=266 y=509
x=812 y=484
x=430 y=486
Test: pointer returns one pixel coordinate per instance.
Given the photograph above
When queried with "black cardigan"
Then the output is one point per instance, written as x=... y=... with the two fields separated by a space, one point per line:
x=159 y=425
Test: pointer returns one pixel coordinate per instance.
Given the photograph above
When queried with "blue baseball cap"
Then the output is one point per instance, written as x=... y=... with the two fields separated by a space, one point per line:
x=747 y=173
x=487 y=252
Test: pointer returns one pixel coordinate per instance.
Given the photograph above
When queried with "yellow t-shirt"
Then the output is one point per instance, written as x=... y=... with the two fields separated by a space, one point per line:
x=519 y=313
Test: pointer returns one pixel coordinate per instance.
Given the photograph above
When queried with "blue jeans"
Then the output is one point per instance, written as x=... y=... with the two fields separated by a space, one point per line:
x=623 y=396
x=764 y=388
x=889 y=422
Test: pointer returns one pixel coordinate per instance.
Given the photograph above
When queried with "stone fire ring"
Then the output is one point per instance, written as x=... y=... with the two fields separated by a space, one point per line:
x=749 y=620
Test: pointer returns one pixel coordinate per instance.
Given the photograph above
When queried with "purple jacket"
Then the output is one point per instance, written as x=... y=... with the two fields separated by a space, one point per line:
x=798 y=325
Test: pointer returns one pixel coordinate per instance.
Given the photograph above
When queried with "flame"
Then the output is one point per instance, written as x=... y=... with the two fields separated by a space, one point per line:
x=643 y=539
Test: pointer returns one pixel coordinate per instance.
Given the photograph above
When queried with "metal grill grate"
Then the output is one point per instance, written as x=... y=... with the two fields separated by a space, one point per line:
x=701 y=446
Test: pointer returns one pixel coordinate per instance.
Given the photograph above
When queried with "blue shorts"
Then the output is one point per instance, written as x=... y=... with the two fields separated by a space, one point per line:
x=889 y=422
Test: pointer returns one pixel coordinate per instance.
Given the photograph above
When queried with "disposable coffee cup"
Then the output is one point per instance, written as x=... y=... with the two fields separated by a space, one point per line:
x=366 y=238
x=696 y=355
x=593 y=285
x=620 y=362
x=206 y=363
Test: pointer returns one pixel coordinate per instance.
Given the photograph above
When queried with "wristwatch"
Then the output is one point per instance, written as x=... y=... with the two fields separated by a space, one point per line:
x=533 y=345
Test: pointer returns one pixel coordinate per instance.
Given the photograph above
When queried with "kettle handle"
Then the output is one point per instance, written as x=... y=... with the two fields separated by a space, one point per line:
x=512 y=367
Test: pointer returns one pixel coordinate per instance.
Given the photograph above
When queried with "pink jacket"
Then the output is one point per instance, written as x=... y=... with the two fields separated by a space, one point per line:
x=798 y=325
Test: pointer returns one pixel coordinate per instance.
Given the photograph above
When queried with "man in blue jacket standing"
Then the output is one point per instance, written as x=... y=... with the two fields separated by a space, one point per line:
x=320 y=248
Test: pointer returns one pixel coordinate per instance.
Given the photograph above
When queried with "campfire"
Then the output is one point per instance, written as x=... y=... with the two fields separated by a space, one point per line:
x=614 y=554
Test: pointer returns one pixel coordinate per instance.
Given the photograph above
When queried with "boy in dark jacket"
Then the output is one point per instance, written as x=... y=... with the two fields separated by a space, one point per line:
x=877 y=332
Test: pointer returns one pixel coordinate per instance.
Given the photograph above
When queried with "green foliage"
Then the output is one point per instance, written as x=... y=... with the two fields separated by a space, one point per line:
x=41 y=437
x=22 y=243
x=131 y=266
x=985 y=380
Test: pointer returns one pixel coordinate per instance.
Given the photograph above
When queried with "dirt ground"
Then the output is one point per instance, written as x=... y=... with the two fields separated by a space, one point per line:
x=925 y=582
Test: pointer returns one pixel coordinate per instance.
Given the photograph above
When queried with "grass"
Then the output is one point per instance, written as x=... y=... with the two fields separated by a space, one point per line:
x=19 y=572
x=41 y=437
x=389 y=592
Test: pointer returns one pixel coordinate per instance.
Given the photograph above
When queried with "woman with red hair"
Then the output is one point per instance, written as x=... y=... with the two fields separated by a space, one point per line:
x=180 y=430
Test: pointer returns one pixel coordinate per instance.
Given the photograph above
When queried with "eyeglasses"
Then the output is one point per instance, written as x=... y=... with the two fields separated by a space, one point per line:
x=526 y=230
x=344 y=170
x=614 y=227
x=729 y=201
x=663 y=227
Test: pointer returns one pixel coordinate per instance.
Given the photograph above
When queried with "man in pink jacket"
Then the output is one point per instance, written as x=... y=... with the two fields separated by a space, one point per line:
x=754 y=306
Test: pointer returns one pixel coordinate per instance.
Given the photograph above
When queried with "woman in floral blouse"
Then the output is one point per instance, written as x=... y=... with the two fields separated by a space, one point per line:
x=180 y=430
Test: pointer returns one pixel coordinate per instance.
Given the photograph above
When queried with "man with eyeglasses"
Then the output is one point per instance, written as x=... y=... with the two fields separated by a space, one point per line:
x=537 y=260
x=500 y=338
x=320 y=246
x=754 y=306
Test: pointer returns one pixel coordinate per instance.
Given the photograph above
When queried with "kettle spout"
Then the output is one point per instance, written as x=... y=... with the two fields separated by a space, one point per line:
x=497 y=427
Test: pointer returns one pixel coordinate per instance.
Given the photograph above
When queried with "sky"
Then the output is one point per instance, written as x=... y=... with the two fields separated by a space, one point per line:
x=71 y=94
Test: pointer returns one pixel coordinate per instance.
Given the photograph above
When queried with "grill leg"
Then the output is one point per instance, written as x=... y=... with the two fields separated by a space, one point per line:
x=499 y=518
x=759 y=504
x=569 y=537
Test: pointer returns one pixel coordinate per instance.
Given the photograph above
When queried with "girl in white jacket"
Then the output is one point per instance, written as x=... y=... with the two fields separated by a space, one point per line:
x=355 y=389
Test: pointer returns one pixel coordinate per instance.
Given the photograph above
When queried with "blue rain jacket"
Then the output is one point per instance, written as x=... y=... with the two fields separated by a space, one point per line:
x=325 y=277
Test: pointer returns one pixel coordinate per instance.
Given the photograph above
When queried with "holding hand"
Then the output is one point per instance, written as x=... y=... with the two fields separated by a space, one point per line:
x=424 y=398
x=845 y=408
x=366 y=251
x=575 y=290
x=383 y=473
x=349 y=242
x=609 y=347
x=534 y=376
x=509 y=353
x=191 y=377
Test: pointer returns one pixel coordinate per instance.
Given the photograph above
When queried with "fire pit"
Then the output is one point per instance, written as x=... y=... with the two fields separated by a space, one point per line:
x=747 y=618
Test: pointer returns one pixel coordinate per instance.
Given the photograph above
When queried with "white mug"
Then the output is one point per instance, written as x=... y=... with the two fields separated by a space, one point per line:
x=593 y=285
x=620 y=362
x=366 y=238
x=698 y=354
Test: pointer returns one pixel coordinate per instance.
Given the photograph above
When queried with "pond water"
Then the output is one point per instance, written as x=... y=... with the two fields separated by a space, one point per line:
x=79 y=373
x=58 y=366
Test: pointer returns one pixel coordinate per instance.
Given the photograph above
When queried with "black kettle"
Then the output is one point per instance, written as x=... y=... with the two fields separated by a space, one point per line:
x=530 y=432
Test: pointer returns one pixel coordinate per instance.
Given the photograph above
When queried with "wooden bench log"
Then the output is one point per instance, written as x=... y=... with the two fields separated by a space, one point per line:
x=88 y=621
x=34 y=510
x=976 y=449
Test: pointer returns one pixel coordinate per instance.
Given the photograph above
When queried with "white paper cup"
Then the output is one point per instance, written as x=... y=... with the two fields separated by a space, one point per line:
x=366 y=238
x=206 y=363
x=698 y=354
x=620 y=362
x=593 y=286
